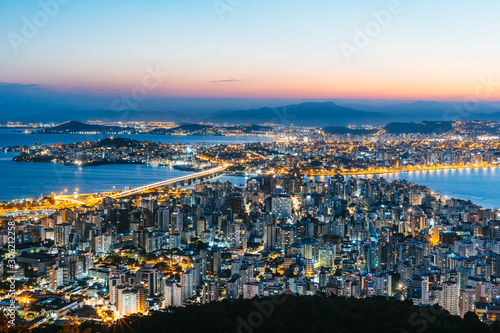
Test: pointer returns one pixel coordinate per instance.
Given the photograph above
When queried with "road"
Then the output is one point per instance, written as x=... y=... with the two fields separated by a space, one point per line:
x=144 y=188
x=66 y=201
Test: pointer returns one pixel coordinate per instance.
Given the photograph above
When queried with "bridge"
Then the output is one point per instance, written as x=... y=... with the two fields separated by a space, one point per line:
x=180 y=180
x=66 y=201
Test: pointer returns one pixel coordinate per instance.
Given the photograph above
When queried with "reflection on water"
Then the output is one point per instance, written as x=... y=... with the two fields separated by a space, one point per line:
x=24 y=180
x=9 y=137
x=478 y=184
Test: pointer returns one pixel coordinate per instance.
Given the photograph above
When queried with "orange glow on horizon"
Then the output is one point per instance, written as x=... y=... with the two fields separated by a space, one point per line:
x=347 y=87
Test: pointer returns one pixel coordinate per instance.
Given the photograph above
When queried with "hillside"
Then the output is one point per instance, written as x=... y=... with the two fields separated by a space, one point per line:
x=337 y=114
x=424 y=127
x=250 y=128
x=107 y=116
x=340 y=130
x=306 y=114
x=298 y=314
x=431 y=110
x=77 y=127
x=182 y=128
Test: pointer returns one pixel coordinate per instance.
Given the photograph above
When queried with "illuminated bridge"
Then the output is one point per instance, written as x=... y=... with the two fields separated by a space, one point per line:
x=180 y=180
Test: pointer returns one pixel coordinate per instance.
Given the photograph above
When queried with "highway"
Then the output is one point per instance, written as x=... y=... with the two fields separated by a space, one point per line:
x=144 y=188
x=66 y=201
x=65 y=198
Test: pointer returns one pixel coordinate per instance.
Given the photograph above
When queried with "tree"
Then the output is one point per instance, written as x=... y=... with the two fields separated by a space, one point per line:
x=471 y=317
x=73 y=328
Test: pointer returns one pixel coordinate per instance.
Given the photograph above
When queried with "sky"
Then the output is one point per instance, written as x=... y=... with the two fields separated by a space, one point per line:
x=84 y=53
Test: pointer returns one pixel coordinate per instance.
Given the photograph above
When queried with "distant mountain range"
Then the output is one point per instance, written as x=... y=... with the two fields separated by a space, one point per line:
x=308 y=114
x=431 y=110
x=426 y=127
x=317 y=114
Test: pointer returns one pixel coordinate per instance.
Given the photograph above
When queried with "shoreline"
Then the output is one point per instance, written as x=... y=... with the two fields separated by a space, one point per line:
x=375 y=172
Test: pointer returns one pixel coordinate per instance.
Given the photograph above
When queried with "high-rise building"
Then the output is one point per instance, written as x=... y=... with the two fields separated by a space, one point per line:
x=61 y=234
x=173 y=295
x=163 y=219
x=55 y=276
x=237 y=235
x=128 y=301
x=418 y=288
x=322 y=278
x=188 y=283
x=216 y=261
x=450 y=297
x=467 y=301
x=281 y=206
x=210 y=291
x=148 y=277
x=117 y=278
x=101 y=243
x=252 y=289
x=233 y=288
x=200 y=226
x=177 y=219
x=383 y=284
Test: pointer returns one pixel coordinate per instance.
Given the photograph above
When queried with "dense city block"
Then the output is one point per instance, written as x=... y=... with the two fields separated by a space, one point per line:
x=307 y=214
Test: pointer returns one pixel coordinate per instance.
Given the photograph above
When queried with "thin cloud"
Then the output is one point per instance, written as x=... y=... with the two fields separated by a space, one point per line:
x=19 y=85
x=222 y=81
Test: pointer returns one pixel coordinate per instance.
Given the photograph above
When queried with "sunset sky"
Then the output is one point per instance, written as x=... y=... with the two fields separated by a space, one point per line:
x=433 y=50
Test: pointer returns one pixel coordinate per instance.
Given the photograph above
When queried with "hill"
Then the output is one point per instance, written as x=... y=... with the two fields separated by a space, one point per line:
x=425 y=127
x=298 y=314
x=305 y=114
x=117 y=143
x=77 y=127
x=107 y=116
x=431 y=110
x=250 y=128
x=190 y=128
x=340 y=130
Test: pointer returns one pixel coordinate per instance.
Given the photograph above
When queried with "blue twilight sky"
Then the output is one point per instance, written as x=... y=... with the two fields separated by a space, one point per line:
x=89 y=51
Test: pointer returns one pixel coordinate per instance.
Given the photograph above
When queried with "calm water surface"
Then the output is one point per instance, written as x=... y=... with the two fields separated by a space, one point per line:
x=23 y=180
x=481 y=186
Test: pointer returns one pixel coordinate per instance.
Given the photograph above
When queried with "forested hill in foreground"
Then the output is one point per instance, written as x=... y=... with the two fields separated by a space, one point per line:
x=283 y=314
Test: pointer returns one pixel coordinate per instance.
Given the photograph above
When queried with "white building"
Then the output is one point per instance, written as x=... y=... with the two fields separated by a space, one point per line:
x=281 y=206
x=383 y=284
x=173 y=295
x=101 y=243
x=128 y=301
x=55 y=276
x=252 y=289
x=451 y=297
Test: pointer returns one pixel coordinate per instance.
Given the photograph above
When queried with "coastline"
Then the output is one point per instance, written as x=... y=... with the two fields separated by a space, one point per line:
x=405 y=170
